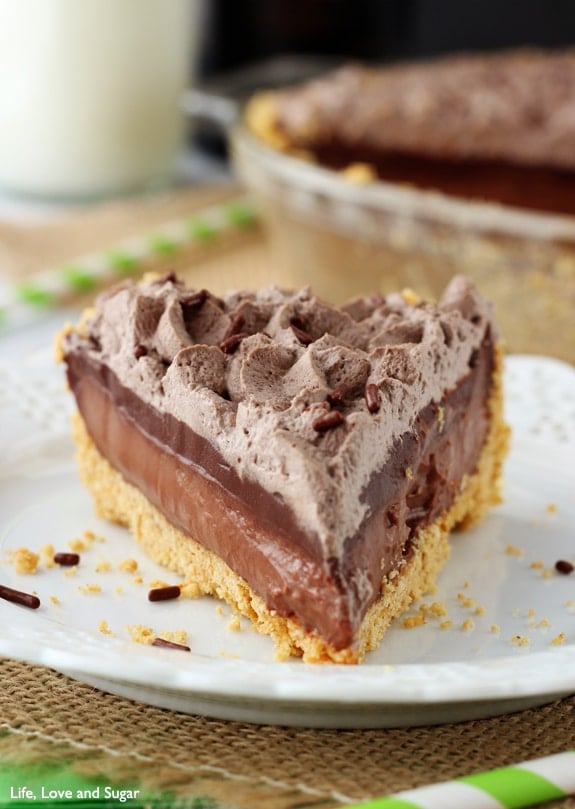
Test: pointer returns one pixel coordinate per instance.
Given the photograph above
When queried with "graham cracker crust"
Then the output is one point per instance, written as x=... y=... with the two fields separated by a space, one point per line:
x=120 y=502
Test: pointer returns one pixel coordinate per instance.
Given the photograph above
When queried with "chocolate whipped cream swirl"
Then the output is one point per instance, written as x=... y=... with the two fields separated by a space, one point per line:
x=276 y=381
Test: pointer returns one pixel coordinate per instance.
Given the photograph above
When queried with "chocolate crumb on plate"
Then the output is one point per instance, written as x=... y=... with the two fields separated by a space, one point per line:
x=66 y=559
x=168 y=644
x=563 y=566
x=164 y=593
x=18 y=597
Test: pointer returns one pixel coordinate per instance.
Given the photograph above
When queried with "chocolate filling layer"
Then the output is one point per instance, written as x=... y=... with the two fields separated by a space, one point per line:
x=534 y=187
x=254 y=531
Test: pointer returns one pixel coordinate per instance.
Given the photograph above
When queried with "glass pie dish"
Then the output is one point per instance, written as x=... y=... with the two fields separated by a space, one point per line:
x=345 y=238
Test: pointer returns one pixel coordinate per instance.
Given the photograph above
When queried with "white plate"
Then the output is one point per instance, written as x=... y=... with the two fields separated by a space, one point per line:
x=422 y=675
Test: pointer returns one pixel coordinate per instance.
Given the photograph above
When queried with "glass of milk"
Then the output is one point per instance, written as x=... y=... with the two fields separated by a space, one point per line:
x=89 y=93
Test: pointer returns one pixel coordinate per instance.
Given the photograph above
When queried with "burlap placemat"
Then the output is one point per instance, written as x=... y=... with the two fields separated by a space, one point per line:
x=47 y=717
x=53 y=717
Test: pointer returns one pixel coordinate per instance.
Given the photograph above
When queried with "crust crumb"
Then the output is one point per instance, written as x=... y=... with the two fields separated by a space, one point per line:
x=47 y=552
x=141 y=634
x=190 y=589
x=359 y=173
x=414 y=620
x=128 y=565
x=158 y=584
x=90 y=536
x=78 y=545
x=86 y=589
x=465 y=601
x=234 y=625
x=520 y=640
x=558 y=640
x=438 y=609
x=410 y=296
x=104 y=628
x=512 y=550
x=103 y=567
x=25 y=561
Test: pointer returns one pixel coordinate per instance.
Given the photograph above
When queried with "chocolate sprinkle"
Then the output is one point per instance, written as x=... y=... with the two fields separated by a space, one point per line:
x=372 y=397
x=66 y=559
x=168 y=644
x=328 y=421
x=304 y=338
x=195 y=300
x=235 y=327
x=229 y=345
x=563 y=566
x=170 y=277
x=167 y=593
x=18 y=597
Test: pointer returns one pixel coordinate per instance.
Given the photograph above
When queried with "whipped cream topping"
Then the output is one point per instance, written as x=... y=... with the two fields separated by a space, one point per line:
x=255 y=373
x=516 y=105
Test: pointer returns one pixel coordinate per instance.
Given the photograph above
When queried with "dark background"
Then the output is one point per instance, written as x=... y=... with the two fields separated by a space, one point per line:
x=245 y=31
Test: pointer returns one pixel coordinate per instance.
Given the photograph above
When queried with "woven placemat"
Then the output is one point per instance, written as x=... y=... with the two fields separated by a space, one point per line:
x=53 y=717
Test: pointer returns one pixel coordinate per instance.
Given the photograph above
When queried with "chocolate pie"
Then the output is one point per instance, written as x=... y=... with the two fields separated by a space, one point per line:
x=498 y=127
x=304 y=463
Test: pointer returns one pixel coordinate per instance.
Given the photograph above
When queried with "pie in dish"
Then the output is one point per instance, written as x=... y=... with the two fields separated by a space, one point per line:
x=303 y=462
x=496 y=127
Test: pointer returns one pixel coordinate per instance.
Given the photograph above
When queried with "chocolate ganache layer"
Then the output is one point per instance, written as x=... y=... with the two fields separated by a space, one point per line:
x=303 y=444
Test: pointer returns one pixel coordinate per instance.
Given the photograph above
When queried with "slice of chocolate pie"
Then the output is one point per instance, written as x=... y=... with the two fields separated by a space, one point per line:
x=302 y=462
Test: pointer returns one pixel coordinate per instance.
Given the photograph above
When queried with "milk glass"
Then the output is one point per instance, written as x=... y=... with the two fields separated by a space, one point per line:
x=89 y=93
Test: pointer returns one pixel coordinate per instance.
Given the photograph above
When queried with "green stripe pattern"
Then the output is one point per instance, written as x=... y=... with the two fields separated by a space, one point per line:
x=510 y=787
x=514 y=787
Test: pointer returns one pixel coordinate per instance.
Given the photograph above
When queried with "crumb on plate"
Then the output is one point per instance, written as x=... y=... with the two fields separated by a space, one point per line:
x=25 y=561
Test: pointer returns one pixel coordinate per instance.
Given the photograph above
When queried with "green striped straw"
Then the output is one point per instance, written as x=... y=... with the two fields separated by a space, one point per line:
x=532 y=782
x=45 y=290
